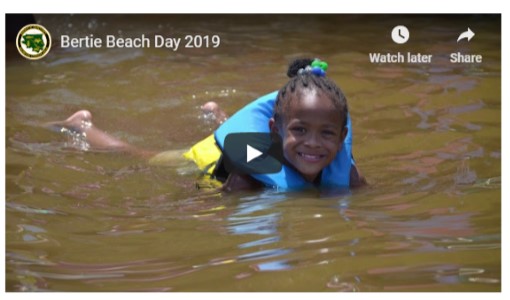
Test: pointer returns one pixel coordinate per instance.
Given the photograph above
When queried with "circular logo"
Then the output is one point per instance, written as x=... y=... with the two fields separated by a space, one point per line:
x=33 y=41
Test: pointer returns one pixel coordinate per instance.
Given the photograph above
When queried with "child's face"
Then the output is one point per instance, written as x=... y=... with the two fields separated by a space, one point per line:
x=312 y=133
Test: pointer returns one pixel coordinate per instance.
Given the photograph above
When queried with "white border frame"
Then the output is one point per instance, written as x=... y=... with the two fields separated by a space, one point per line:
x=265 y=6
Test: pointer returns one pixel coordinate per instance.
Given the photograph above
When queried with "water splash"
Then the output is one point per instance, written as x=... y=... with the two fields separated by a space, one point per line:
x=77 y=138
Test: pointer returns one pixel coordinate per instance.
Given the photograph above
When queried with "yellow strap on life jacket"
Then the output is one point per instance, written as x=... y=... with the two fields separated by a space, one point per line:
x=205 y=154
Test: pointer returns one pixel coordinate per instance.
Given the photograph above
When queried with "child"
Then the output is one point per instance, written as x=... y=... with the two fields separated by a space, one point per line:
x=309 y=114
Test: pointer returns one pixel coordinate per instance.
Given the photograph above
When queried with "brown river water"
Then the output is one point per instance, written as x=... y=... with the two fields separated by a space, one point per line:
x=426 y=136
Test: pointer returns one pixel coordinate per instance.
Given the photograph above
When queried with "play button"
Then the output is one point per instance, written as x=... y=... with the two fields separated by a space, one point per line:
x=252 y=153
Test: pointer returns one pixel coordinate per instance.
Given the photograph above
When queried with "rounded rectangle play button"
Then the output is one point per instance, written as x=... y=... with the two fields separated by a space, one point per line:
x=252 y=153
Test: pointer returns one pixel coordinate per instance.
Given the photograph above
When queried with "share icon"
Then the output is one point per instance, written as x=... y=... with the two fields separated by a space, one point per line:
x=468 y=34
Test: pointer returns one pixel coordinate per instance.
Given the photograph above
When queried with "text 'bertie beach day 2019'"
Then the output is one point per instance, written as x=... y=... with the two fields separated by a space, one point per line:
x=142 y=41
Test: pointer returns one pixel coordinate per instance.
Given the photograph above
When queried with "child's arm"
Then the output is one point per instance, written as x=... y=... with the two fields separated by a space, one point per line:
x=236 y=182
x=357 y=179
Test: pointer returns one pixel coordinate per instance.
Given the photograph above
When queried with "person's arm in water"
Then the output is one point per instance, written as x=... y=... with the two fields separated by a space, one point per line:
x=356 y=178
x=236 y=182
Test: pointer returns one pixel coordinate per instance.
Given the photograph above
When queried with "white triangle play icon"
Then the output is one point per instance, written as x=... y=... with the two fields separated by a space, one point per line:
x=251 y=153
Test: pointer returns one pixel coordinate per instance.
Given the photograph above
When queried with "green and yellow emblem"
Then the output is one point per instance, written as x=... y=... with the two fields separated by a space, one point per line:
x=33 y=41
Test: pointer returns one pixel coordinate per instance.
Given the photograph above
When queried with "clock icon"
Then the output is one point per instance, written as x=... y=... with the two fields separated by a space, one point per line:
x=400 y=34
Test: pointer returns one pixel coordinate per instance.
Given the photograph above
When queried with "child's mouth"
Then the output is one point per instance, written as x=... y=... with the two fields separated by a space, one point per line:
x=311 y=157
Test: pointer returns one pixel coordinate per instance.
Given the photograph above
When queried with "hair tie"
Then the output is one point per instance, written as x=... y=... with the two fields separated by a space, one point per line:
x=317 y=68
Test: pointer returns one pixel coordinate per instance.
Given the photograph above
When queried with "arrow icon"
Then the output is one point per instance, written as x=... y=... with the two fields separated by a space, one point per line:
x=466 y=35
x=251 y=153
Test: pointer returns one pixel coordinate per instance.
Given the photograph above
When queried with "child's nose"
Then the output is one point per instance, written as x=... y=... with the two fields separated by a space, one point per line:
x=313 y=140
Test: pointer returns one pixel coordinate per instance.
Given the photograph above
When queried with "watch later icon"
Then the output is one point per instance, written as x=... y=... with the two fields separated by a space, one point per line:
x=400 y=34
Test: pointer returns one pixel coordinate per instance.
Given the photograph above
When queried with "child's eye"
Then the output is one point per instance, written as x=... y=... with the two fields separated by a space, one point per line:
x=298 y=130
x=329 y=133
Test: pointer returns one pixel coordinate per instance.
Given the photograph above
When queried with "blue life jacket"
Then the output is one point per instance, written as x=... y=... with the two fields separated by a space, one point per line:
x=255 y=116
